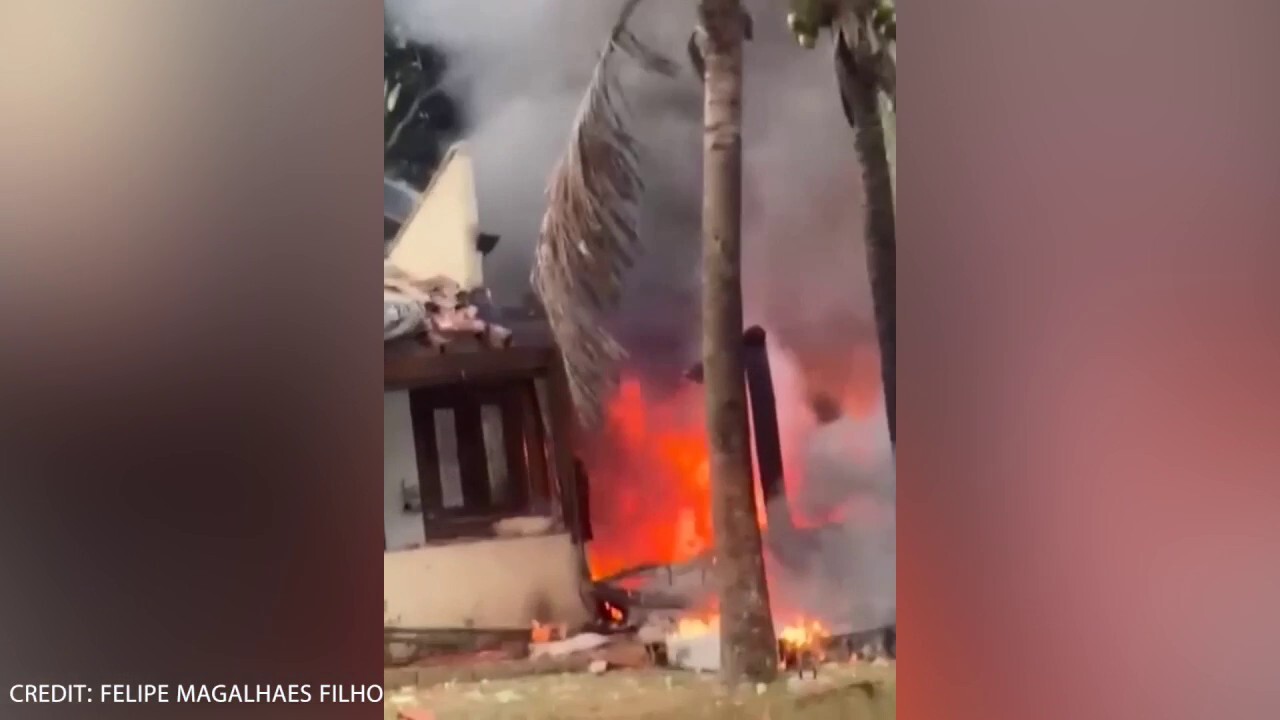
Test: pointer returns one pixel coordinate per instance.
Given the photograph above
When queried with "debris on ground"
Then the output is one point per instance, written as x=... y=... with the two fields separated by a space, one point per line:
x=641 y=657
x=581 y=642
x=699 y=652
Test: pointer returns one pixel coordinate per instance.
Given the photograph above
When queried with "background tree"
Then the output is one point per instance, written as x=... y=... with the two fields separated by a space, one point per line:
x=420 y=119
x=865 y=34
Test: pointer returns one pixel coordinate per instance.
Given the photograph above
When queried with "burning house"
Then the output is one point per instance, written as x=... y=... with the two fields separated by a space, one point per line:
x=484 y=518
x=486 y=510
x=828 y=519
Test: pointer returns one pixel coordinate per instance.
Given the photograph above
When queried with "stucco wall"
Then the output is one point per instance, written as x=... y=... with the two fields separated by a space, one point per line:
x=399 y=464
x=491 y=583
x=498 y=583
x=439 y=238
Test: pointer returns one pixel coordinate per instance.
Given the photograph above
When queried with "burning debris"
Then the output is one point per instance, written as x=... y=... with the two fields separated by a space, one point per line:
x=542 y=634
x=692 y=642
x=614 y=614
x=631 y=632
x=828 y=529
x=437 y=310
x=802 y=647
x=582 y=642
x=695 y=645
x=651 y=503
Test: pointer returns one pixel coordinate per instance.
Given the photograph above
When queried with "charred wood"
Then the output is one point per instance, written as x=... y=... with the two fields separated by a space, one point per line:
x=764 y=421
x=763 y=402
x=629 y=600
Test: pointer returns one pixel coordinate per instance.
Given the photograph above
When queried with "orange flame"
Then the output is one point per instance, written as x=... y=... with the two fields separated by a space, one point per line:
x=650 y=468
x=800 y=634
x=694 y=627
x=540 y=633
x=615 y=613
x=803 y=634
x=544 y=632
x=650 y=481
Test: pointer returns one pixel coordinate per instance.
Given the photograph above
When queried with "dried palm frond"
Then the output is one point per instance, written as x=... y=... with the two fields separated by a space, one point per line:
x=589 y=234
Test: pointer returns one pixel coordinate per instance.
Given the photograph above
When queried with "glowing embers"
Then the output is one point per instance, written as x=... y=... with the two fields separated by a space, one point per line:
x=547 y=632
x=694 y=643
x=613 y=614
x=802 y=647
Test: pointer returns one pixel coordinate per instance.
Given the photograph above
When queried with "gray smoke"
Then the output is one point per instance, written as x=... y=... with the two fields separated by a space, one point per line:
x=850 y=579
x=520 y=68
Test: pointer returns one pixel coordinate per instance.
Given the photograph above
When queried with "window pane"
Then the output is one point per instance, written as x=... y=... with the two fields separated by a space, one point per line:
x=495 y=451
x=542 y=392
x=450 y=469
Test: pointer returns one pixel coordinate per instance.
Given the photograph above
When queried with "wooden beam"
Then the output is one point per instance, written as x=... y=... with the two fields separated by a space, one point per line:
x=764 y=423
x=417 y=370
x=473 y=460
x=423 y=417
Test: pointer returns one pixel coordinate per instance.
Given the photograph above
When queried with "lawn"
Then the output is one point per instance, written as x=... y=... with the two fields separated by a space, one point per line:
x=840 y=692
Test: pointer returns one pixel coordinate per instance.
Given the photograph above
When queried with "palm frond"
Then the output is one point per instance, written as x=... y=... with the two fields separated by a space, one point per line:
x=866 y=47
x=589 y=235
x=870 y=27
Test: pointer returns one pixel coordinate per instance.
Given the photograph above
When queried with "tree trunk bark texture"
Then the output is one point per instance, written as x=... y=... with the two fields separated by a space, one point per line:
x=859 y=93
x=748 y=648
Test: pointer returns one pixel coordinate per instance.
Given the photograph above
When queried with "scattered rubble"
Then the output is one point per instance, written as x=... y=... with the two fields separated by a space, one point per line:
x=699 y=652
x=561 y=648
x=626 y=653
x=642 y=651
x=436 y=310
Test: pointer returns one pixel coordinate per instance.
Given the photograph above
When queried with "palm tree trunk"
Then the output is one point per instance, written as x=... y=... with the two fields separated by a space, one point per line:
x=748 y=648
x=889 y=122
x=859 y=92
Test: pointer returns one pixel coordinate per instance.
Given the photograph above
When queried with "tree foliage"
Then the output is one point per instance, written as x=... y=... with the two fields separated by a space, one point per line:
x=420 y=119
x=865 y=34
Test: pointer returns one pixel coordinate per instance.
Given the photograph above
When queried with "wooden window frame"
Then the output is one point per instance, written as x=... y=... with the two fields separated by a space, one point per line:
x=509 y=378
x=467 y=403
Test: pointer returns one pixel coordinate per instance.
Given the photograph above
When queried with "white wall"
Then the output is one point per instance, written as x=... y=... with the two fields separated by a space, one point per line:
x=492 y=583
x=399 y=463
x=440 y=237
x=488 y=583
